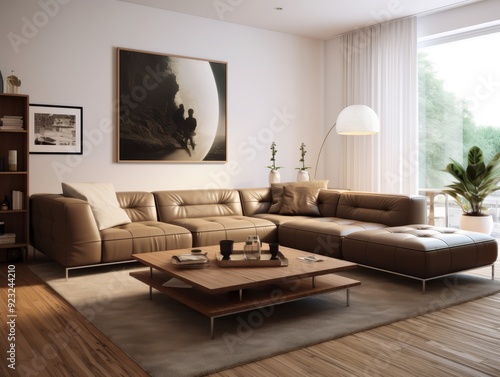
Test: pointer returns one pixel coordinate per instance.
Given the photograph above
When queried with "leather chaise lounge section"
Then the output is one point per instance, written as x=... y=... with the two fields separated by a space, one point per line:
x=382 y=231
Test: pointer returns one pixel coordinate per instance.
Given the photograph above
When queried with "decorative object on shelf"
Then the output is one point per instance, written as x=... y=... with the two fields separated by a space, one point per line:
x=13 y=84
x=274 y=175
x=17 y=200
x=252 y=248
x=56 y=129
x=5 y=204
x=353 y=120
x=12 y=160
x=474 y=183
x=303 y=174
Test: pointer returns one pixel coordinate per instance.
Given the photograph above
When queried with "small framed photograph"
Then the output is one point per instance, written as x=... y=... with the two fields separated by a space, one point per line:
x=55 y=129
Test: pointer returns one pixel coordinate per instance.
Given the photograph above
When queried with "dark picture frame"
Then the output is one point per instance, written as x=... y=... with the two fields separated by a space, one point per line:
x=55 y=129
x=171 y=108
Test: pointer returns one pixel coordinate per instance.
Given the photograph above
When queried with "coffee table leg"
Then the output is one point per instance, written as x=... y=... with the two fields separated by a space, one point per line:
x=347 y=303
x=241 y=294
x=212 y=327
x=150 y=287
x=313 y=282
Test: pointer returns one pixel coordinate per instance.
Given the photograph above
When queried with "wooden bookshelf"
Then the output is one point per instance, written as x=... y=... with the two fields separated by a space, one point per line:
x=16 y=220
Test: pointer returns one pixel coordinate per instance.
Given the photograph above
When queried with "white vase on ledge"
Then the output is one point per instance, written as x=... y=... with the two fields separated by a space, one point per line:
x=302 y=175
x=274 y=176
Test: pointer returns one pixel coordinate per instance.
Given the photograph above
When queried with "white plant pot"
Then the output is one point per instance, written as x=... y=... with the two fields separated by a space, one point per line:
x=481 y=224
x=274 y=176
x=302 y=175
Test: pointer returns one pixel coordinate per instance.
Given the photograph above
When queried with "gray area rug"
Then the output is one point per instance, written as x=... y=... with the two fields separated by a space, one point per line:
x=168 y=339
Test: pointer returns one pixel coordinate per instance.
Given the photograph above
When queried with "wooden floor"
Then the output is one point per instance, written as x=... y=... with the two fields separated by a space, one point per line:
x=53 y=339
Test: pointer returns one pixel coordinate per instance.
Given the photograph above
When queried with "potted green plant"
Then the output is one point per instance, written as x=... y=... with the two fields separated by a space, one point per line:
x=274 y=175
x=474 y=183
x=303 y=174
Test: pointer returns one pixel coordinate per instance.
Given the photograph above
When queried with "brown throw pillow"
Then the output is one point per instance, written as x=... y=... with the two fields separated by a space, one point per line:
x=300 y=201
x=277 y=191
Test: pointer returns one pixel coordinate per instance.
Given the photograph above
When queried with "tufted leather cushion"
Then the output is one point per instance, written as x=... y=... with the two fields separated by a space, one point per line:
x=185 y=204
x=211 y=215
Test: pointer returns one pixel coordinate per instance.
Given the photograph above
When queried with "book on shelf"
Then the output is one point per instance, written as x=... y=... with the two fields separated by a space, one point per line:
x=17 y=200
x=11 y=122
x=7 y=238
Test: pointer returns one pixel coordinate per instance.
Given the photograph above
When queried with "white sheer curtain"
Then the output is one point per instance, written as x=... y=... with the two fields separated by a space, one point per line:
x=380 y=68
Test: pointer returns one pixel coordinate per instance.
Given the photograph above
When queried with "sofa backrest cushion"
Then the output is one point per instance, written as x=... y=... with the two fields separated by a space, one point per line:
x=139 y=205
x=388 y=209
x=258 y=201
x=255 y=200
x=185 y=204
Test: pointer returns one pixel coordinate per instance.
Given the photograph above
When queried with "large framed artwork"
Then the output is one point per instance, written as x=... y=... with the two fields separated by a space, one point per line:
x=55 y=129
x=171 y=108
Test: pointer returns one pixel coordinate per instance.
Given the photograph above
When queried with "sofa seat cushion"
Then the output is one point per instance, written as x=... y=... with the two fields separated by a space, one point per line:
x=280 y=219
x=210 y=230
x=420 y=251
x=321 y=235
x=120 y=242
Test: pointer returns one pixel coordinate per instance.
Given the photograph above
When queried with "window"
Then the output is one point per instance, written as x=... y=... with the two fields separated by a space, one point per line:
x=459 y=106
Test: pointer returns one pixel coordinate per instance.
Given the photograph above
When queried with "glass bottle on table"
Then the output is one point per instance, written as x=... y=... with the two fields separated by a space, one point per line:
x=252 y=248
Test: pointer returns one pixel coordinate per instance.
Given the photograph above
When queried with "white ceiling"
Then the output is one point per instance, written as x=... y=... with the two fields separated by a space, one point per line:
x=320 y=19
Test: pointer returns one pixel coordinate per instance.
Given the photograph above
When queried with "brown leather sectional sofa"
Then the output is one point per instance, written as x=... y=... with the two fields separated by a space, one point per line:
x=397 y=238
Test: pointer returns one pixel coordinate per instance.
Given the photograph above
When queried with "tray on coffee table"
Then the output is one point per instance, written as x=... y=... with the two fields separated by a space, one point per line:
x=237 y=259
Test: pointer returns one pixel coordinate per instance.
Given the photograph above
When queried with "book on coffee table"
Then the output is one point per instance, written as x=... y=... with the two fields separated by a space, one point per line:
x=190 y=260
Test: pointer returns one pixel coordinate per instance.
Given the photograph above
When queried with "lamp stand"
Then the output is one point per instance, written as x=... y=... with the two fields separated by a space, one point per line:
x=321 y=148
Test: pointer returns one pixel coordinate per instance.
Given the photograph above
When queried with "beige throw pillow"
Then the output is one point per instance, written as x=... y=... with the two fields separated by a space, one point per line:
x=300 y=201
x=103 y=202
x=277 y=191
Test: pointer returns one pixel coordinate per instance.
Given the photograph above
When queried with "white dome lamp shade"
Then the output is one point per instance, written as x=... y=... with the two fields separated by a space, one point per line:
x=357 y=120
x=354 y=120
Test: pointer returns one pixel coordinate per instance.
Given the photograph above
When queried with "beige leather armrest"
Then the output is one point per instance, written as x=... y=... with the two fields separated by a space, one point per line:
x=64 y=229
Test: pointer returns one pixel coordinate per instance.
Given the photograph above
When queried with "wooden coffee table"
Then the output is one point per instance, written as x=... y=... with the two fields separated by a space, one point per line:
x=220 y=291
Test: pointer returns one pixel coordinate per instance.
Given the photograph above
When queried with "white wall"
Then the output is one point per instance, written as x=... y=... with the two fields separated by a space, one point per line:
x=64 y=51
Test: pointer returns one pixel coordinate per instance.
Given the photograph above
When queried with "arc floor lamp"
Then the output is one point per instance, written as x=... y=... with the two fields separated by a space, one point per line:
x=353 y=120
